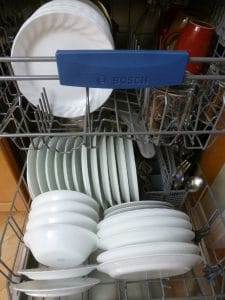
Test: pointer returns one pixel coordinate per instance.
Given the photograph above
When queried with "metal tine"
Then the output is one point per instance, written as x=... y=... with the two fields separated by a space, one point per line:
x=122 y=290
x=38 y=119
x=46 y=102
x=36 y=114
x=43 y=114
x=130 y=114
x=116 y=114
x=87 y=126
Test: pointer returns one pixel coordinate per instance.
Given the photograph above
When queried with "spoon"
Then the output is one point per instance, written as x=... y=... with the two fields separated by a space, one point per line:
x=193 y=184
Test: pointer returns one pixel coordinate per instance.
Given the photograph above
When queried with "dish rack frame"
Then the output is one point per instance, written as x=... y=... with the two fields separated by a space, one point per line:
x=20 y=121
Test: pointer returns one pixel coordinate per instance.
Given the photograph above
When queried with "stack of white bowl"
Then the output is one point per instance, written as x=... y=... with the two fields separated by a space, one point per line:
x=61 y=229
x=146 y=240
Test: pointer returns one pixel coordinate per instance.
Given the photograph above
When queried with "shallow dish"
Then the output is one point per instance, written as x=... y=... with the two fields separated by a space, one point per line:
x=40 y=167
x=131 y=208
x=131 y=215
x=131 y=170
x=122 y=170
x=95 y=172
x=67 y=162
x=154 y=221
x=55 y=288
x=146 y=234
x=76 y=166
x=45 y=273
x=150 y=267
x=44 y=33
x=148 y=249
x=112 y=167
x=136 y=204
x=49 y=164
x=104 y=170
x=58 y=163
x=32 y=181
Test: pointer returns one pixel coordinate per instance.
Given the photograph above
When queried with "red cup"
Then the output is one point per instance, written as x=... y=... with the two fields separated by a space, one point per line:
x=170 y=36
x=195 y=38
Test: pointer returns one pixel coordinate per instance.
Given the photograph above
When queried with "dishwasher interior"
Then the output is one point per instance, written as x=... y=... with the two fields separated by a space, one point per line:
x=180 y=131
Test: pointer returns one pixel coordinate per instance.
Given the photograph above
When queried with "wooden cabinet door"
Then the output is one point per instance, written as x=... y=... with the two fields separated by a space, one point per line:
x=9 y=178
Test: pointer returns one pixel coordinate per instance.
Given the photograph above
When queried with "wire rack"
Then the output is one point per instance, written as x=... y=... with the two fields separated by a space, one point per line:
x=154 y=116
x=205 y=281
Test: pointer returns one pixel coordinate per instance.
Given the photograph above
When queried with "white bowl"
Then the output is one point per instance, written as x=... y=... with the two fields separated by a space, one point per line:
x=64 y=217
x=60 y=206
x=60 y=245
x=60 y=195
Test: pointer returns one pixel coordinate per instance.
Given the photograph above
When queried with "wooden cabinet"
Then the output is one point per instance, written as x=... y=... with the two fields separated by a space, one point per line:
x=9 y=178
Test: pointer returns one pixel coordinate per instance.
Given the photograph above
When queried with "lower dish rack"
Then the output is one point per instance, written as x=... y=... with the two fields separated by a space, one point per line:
x=205 y=281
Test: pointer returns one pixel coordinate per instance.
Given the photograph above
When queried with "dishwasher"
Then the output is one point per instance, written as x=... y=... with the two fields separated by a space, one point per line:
x=166 y=132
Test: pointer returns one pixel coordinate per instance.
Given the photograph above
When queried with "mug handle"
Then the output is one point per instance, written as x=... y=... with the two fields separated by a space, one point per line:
x=169 y=39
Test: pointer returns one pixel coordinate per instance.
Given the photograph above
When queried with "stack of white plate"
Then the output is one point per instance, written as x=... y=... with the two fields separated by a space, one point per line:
x=147 y=240
x=61 y=25
x=61 y=229
x=56 y=282
x=105 y=171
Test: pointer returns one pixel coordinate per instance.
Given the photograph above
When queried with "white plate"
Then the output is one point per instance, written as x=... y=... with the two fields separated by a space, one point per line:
x=147 y=249
x=32 y=182
x=103 y=160
x=86 y=172
x=95 y=172
x=42 y=35
x=154 y=221
x=62 y=195
x=60 y=245
x=76 y=165
x=131 y=170
x=136 y=204
x=131 y=215
x=122 y=170
x=58 y=163
x=40 y=167
x=95 y=14
x=66 y=205
x=55 y=288
x=49 y=164
x=62 y=217
x=67 y=162
x=45 y=273
x=146 y=234
x=113 y=173
x=140 y=207
x=150 y=267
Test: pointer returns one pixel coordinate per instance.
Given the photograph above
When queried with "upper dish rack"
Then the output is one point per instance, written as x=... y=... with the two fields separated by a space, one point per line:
x=193 y=120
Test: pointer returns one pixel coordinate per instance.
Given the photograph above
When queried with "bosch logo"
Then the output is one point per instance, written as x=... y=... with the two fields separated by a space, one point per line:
x=101 y=80
x=130 y=80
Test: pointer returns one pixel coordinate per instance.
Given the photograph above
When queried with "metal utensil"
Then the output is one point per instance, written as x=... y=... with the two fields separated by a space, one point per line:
x=178 y=177
x=193 y=184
